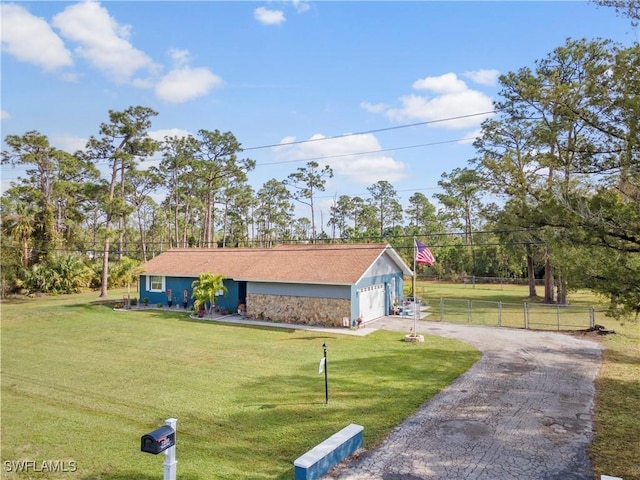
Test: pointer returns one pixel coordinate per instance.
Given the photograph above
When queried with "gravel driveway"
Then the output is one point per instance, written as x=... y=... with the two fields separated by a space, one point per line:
x=523 y=411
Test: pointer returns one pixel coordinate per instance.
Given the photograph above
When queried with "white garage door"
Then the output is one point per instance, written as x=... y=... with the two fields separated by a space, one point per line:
x=371 y=302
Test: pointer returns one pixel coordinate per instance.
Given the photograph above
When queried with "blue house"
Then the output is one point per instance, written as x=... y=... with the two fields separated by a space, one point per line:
x=319 y=284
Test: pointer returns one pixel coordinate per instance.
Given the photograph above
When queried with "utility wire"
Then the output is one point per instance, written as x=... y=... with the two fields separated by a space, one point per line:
x=429 y=122
x=365 y=153
x=337 y=244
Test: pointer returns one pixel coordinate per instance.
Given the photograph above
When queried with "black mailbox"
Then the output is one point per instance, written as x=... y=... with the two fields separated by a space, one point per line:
x=159 y=440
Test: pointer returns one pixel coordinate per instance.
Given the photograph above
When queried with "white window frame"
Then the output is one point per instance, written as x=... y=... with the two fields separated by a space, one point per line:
x=163 y=282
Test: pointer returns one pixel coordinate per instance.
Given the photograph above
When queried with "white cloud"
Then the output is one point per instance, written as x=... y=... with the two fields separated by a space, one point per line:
x=102 y=41
x=143 y=82
x=483 y=77
x=30 y=39
x=68 y=143
x=186 y=83
x=269 y=17
x=300 y=6
x=470 y=137
x=452 y=99
x=374 y=107
x=283 y=144
x=447 y=83
x=159 y=135
x=4 y=115
x=364 y=169
x=180 y=57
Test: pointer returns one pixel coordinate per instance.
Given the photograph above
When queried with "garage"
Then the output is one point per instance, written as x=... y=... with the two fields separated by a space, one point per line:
x=371 y=300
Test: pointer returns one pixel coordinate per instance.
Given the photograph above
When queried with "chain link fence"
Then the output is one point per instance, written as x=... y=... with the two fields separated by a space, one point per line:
x=516 y=315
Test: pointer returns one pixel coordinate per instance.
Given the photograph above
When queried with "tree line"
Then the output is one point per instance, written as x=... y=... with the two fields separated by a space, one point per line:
x=553 y=192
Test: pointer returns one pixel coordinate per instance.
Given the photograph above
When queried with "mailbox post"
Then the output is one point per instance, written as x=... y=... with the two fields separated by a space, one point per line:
x=170 y=461
x=162 y=440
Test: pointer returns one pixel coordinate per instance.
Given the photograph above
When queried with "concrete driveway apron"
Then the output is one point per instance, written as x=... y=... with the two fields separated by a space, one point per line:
x=523 y=411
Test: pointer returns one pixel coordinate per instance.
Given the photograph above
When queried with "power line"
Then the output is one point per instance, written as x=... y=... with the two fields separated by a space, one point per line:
x=365 y=153
x=327 y=244
x=429 y=122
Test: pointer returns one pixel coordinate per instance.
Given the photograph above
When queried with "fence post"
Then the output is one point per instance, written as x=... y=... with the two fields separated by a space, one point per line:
x=558 y=318
x=526 y=315
x=499 y=314
x=592 y=317
x=442 y=309
x=469 y=311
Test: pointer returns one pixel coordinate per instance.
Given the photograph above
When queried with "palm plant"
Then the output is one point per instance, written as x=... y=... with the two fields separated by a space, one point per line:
x=125 y=273
x=206 y=288
x=74 y=274
x=20 y=226
x=62 y=274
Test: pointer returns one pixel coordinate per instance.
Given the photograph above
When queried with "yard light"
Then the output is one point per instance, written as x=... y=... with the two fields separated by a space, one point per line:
x=326 y=378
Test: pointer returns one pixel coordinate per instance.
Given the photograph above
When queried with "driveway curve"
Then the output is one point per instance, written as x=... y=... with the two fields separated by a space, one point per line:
x=523 y=411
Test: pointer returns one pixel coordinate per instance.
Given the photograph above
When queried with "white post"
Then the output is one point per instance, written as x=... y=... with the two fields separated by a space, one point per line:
x=170 y=454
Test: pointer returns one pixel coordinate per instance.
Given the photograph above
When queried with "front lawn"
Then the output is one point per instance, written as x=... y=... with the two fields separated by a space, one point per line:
x=82 y=383
x=616 y=448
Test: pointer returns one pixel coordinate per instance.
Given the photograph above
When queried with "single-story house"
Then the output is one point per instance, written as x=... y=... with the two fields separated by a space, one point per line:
x=315 y=284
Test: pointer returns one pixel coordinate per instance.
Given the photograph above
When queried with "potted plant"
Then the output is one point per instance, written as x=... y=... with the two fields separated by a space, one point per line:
x=145 y=301
x=185 y=298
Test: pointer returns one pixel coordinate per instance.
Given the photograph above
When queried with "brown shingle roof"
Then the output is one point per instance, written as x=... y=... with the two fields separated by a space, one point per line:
x=324 y=263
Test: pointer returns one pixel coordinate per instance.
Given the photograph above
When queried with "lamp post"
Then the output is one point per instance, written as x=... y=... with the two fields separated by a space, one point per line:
x=326 y=378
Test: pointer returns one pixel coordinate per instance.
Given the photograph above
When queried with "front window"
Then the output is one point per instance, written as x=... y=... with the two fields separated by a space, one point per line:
x=155 y=283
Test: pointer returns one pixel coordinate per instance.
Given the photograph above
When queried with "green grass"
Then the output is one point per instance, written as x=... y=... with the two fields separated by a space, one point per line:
x=616 y=448
x=433 y=291
x=478 y=305
x=82 y=382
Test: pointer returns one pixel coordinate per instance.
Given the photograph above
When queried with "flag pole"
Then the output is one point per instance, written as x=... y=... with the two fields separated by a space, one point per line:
x=415 y=254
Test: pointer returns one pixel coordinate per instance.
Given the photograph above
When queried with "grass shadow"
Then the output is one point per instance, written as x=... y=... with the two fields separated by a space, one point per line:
x=268 y=328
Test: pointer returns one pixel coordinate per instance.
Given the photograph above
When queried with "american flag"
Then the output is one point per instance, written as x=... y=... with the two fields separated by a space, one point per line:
x=423 y=254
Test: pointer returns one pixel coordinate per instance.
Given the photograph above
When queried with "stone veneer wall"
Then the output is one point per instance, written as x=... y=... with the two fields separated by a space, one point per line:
x=302 y=310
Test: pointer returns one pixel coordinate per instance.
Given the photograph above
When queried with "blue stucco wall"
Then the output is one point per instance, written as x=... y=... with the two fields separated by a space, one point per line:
x=298 y=290
x=178 y=285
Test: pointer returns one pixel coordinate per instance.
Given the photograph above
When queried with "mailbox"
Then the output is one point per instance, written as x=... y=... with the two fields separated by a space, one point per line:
x=159 y=440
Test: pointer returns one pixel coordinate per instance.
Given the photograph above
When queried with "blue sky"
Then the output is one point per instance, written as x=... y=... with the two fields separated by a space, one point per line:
x=276 y=72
